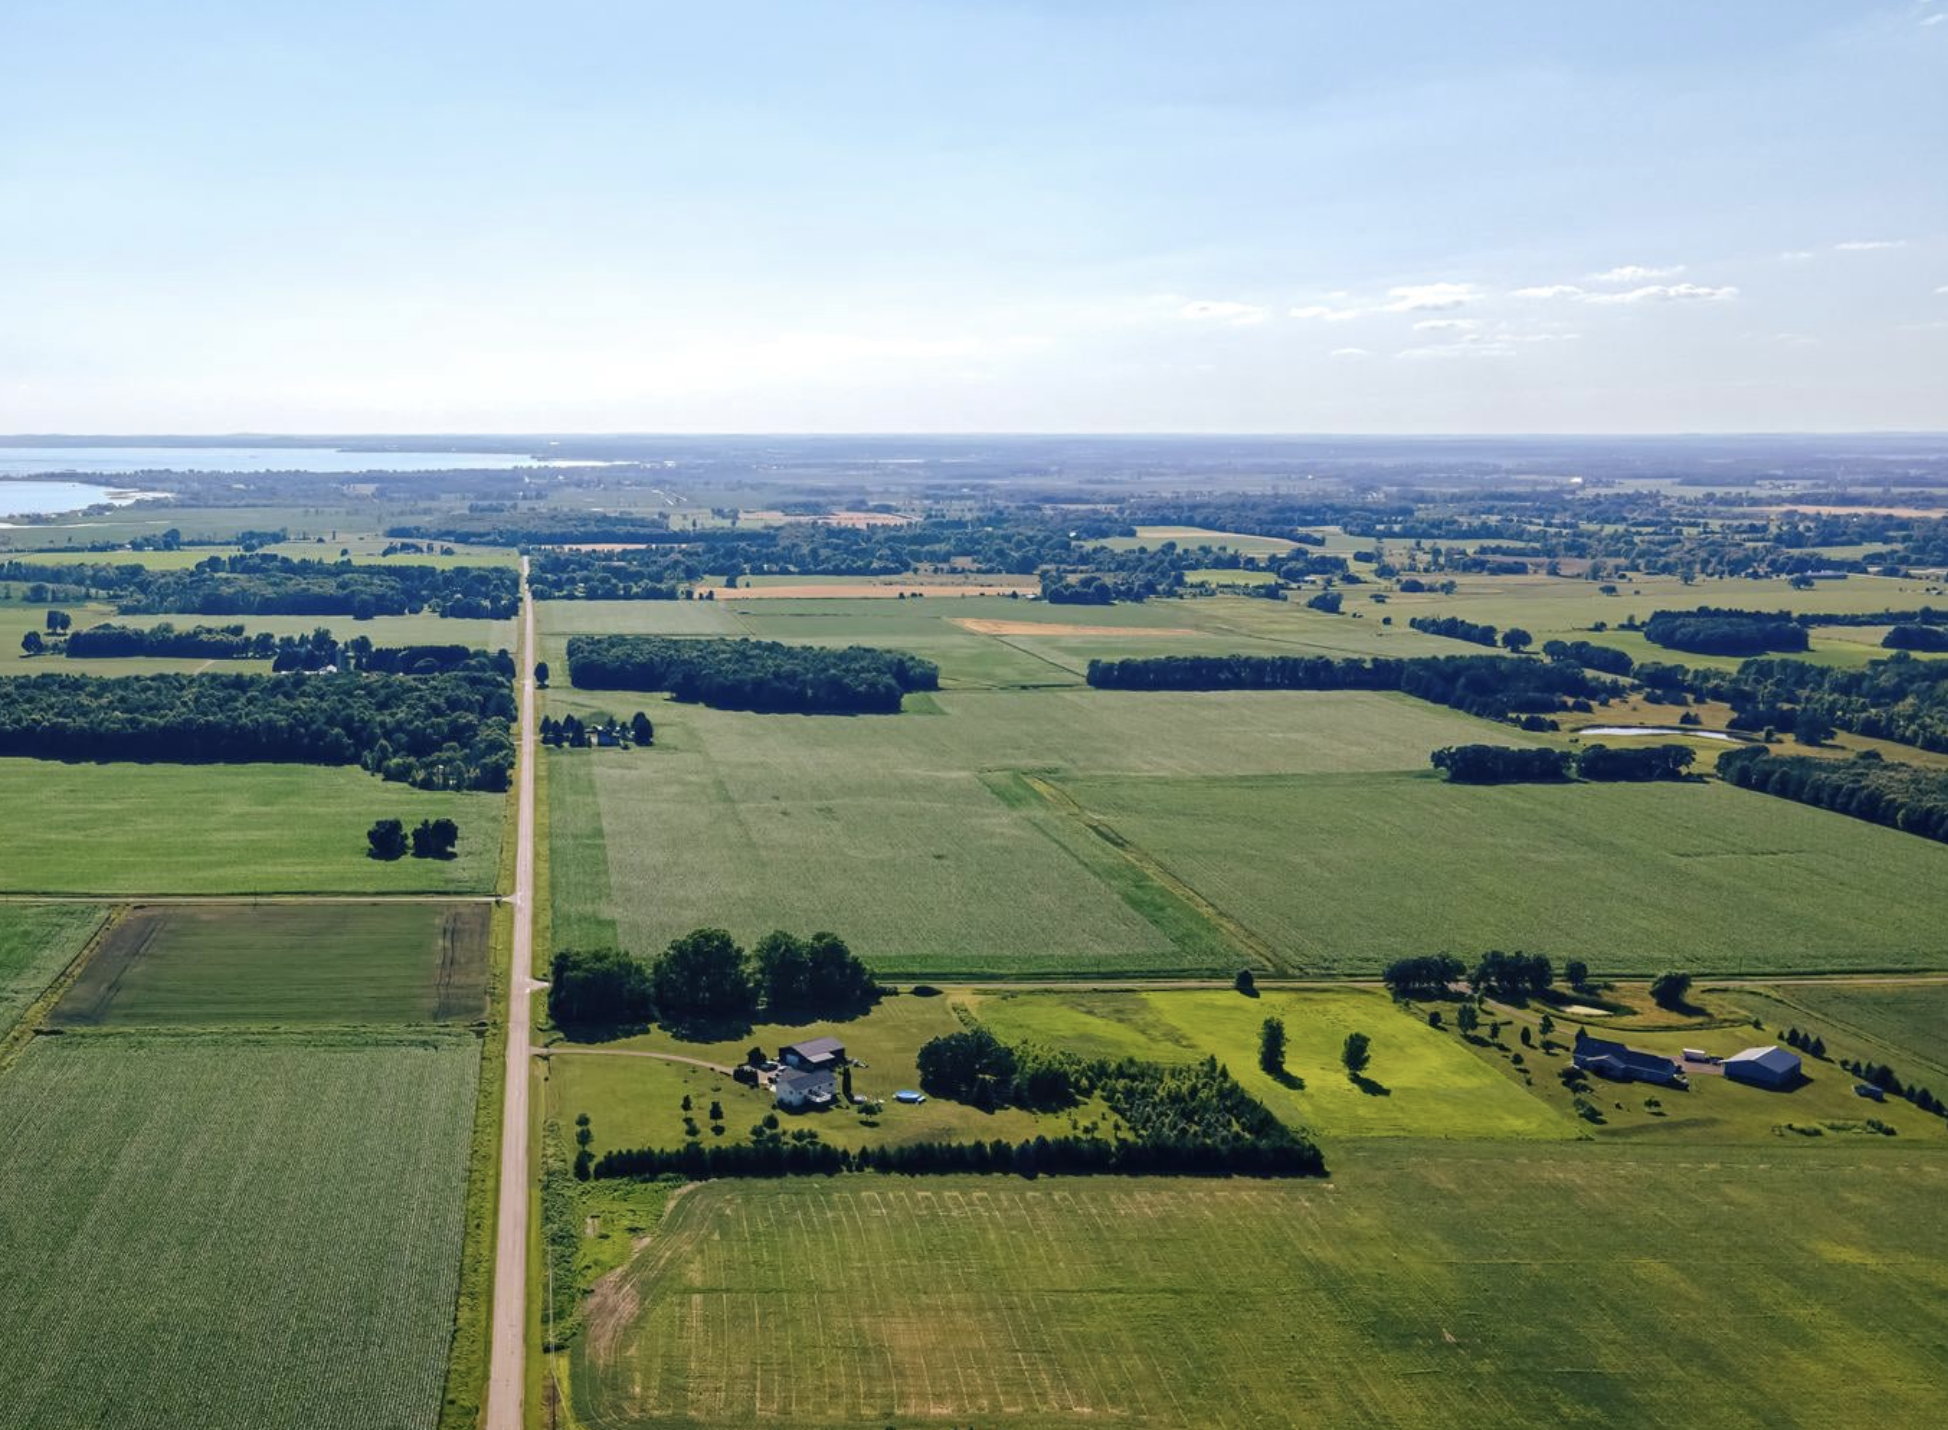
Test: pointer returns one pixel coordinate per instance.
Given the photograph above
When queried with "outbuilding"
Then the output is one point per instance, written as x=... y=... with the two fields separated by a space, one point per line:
x=814 y=1055
x=1772 y=1067
x=799 y=1090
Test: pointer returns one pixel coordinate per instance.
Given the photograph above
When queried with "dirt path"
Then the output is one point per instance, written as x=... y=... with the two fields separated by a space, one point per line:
x=723 y=1068
x=507 y=1363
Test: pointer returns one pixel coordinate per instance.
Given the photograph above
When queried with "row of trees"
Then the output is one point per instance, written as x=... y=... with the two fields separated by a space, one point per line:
x=1490 y=686
x=258 y=583
x=1455 y=629
x=1899 y=698
x=572 y=732
x=1509 y=764
x=706 y=979
x=1036 y=1157
x=1592 y=657
x=430 y=839
x=1900 y=796
x=765 y=676
x=449 y=731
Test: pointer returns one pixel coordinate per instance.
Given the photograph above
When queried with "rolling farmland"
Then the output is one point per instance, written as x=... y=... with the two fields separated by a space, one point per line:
x=1542 y=1286
x=36 y=943
x=245 y=1234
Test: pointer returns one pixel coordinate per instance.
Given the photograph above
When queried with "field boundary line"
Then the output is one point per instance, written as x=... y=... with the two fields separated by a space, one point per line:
x=1237 y=933
x=14 y=1040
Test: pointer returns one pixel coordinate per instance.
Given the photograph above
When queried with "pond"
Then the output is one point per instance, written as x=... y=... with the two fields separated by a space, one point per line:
x=1685 y=730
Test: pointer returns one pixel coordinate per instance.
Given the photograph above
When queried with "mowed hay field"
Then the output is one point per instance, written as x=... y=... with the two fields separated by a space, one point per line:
x=1421 y=1083
x=128 y=829
x=1909 y=1018
x=1538 y=1284
x=37 y=941
x=889 y=830
x=285 y=964
x=1342 y=873
x=247 y=1234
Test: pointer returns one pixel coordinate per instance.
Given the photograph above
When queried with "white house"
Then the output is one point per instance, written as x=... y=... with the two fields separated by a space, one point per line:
x=796 y=1088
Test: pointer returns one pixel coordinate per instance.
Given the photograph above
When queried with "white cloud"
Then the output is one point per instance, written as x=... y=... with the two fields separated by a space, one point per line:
x=1350 y=353
x=1325 y=314
x=1446 y=325
x=1636 y=273
x=1490 y=349
x=1796 y=255
x=1648 y=293
x=1942 y=291
x=1235 y=314
x=1796 y=340
x=1404 y=298
x=1934 y=20
x=1869 y=245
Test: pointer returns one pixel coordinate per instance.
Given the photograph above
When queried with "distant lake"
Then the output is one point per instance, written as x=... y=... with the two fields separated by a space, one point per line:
x=112 y=461
x=52 y=498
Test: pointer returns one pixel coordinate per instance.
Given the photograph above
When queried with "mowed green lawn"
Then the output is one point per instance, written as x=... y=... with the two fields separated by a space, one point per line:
x=1422 y=1083
x=1342 y=873
x=36 y=943
x=231 y=829
x=242 y=1236
x=882 y=828
x=1433 y=1285
x=207 y=965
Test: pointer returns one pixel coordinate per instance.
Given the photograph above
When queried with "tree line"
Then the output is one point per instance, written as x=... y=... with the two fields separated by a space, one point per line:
x=260 y=583
x=1898 y=698
x=446 y=731
x=1454 y=628
x=1905 y=797
x=1493 y=687
x=1506 y=764
x=318 y=651
x=764 y=676
x=1721 y=630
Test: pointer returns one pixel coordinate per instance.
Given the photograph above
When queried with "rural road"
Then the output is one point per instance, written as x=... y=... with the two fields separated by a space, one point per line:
x=507 y=1363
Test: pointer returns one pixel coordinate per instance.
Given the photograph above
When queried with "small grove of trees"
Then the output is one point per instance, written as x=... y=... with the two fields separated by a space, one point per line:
x=1517 y=639
x=1512 y=975
x=817 y=973
x=1327 y=601
x=1454 y=628
x=431 y=839
x=1669 y=990
x=572 y=732
x=598 y=988
x=1590 y=657
x=1810 y=1043
x=764 y=676
x=1427 y=976
x=1271 y=1046
x=1508 y=764
x=1712 y=630
x=973 y=1067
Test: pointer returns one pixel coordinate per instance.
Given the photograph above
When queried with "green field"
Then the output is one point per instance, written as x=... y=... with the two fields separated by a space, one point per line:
x=1889 y=1019
x=1422 y=1083
x=208 y=965
x=886 y=831
x=1422 y=1286
x=37 y=941
x=1152 y=537
x=1340 y=873
x=231 y=829
x=246 y=1234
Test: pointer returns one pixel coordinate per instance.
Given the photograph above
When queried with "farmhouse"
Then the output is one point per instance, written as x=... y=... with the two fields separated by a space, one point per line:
x=1620 y=1063
x=1764 y=1067
x=800 y=1089
x=814 y=1055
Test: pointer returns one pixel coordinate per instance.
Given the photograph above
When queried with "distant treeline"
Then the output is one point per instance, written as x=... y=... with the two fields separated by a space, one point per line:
x=1504 y=764
x=262 y=584
x=1715 y=630
x=1904 y=797
x=1594 y=657
x=1454 y=628
x=1493 y=687
x=765 y=676
x=448 y=731
x=1922 y=638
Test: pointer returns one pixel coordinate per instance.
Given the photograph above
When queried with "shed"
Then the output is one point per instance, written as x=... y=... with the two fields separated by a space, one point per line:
x=1764 y=1067
x=813 y=1054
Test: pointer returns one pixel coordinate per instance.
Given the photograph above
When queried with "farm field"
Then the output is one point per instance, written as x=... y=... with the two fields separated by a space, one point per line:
x=36 y=943
x=126 y=829
x=885 y=830
x=1422 y=1082
x=1152 y=537
x=1911 y=1018
x=1341 y=873
x=232 y=1234
x=207 y=965
x=1423 y=1285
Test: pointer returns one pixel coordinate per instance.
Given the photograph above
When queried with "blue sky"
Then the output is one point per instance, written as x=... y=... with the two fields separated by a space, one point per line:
x=926 y=216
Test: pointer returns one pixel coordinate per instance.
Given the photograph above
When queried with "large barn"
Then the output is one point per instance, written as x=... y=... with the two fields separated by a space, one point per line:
x=1772 y=1067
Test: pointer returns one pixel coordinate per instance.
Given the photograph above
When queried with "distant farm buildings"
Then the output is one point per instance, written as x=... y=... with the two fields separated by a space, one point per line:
x=1764 y=1067
x=1622 y=1064
x=814 y=1055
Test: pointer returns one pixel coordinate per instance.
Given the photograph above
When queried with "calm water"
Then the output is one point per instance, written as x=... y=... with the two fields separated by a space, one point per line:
x=1689 y=730
x=112 y=461
x=51 y=498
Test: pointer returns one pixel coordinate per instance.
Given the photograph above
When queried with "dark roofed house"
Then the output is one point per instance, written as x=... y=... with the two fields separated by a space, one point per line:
x=1622 y=1064
x=1764 y=1067
x=814 y=1055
